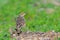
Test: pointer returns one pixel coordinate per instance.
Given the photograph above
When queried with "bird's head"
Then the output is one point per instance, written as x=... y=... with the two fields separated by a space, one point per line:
x=22 y=14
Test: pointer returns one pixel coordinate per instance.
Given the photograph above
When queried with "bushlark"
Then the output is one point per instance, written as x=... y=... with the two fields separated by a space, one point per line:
x=20 y=22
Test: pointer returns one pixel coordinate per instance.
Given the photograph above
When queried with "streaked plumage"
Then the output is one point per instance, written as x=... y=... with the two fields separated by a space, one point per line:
x=20 y=22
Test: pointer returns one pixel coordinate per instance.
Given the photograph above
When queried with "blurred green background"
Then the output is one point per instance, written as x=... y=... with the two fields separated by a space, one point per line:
x=40 y=16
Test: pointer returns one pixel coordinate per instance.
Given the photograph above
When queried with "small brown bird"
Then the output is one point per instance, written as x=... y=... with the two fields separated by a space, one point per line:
x=20 y=22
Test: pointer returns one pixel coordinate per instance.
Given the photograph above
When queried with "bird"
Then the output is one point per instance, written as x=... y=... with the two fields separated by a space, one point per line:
x=20 y=22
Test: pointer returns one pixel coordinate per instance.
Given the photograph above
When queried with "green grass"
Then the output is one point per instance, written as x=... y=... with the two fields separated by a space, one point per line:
x=35 y=20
